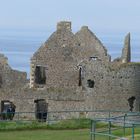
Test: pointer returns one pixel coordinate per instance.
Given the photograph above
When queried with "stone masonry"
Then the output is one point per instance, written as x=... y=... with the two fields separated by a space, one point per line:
x=74 y=72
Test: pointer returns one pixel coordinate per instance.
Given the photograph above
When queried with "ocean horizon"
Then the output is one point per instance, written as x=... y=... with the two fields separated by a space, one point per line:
x=19 y=45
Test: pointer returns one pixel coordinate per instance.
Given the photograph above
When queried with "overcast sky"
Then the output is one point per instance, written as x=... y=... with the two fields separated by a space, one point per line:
x=97 y=14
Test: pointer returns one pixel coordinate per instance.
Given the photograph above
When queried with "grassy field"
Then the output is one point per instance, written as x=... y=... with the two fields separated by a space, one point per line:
x=65 y=124
x=62 y=125
x=63 y=130
x=45 y=135
x=51 y=135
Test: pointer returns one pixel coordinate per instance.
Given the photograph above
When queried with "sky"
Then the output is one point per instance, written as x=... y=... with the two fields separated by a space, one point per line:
x=110 y=15
x=25 y=24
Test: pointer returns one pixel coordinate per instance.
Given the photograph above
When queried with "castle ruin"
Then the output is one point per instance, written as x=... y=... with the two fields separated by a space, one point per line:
x=74 y=72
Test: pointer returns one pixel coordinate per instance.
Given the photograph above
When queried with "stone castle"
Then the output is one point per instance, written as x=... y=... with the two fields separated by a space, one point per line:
x=73 y=72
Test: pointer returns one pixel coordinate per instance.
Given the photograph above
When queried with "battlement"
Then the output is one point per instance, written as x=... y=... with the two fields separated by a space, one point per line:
x=64 y=25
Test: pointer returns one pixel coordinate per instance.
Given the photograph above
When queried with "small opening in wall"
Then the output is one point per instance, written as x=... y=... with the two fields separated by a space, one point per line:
x=131 y=102
x=90 y=83
x=40 y=75
x=8 y=110
x=93 y=58
x=80 y=77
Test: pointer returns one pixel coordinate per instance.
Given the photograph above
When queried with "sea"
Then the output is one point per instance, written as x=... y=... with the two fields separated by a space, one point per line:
x=18 y=45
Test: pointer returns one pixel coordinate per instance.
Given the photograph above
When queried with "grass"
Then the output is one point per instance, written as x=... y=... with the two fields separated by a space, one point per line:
x=137 y=137
x=24 y=125
x=46 y=135
x=62 y=125
x=76 y=129
x=83 y=134
x=128 y=132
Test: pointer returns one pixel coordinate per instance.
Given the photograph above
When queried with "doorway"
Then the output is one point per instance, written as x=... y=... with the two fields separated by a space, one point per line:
x=7 y=110
x=41 y=109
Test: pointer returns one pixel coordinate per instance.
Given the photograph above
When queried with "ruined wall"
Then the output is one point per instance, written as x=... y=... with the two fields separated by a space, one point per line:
x=126 y=52
x=11 y=82
x=10 y=78
x=58 y=55
x=24 y=99
x=113 y=85
x=62 y=53
x=90 y=45
x=68 y=59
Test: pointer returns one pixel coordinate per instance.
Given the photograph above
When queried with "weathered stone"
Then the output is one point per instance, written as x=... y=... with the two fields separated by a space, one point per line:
x=10 y=78
x=73 y=72
x=126 y=52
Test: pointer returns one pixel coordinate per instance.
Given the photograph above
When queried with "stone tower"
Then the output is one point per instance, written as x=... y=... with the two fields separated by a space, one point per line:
x=126 y=52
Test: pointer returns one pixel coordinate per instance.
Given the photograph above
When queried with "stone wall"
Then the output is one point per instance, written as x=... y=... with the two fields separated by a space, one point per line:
x=10 y=78
x=113 y=86
x=62 y=53
x=90 y=45
x=78 y=76
x=126 y=52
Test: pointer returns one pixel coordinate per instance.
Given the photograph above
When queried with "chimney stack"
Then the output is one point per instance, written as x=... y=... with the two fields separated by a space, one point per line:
x=64 y=25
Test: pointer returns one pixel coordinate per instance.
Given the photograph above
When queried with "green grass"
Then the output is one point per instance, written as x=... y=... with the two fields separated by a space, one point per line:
x=137 y=137
x=75 y=124
x=119 y=133
x=62 y=125
x=66 y=124
x=45 y=135
x=48 y=135
x=83 y=134
x=8 y=126
x=76 y=129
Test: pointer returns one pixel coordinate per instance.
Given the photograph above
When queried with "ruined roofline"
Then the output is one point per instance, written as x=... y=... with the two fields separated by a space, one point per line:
x=100 y=46
x=66 y=27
